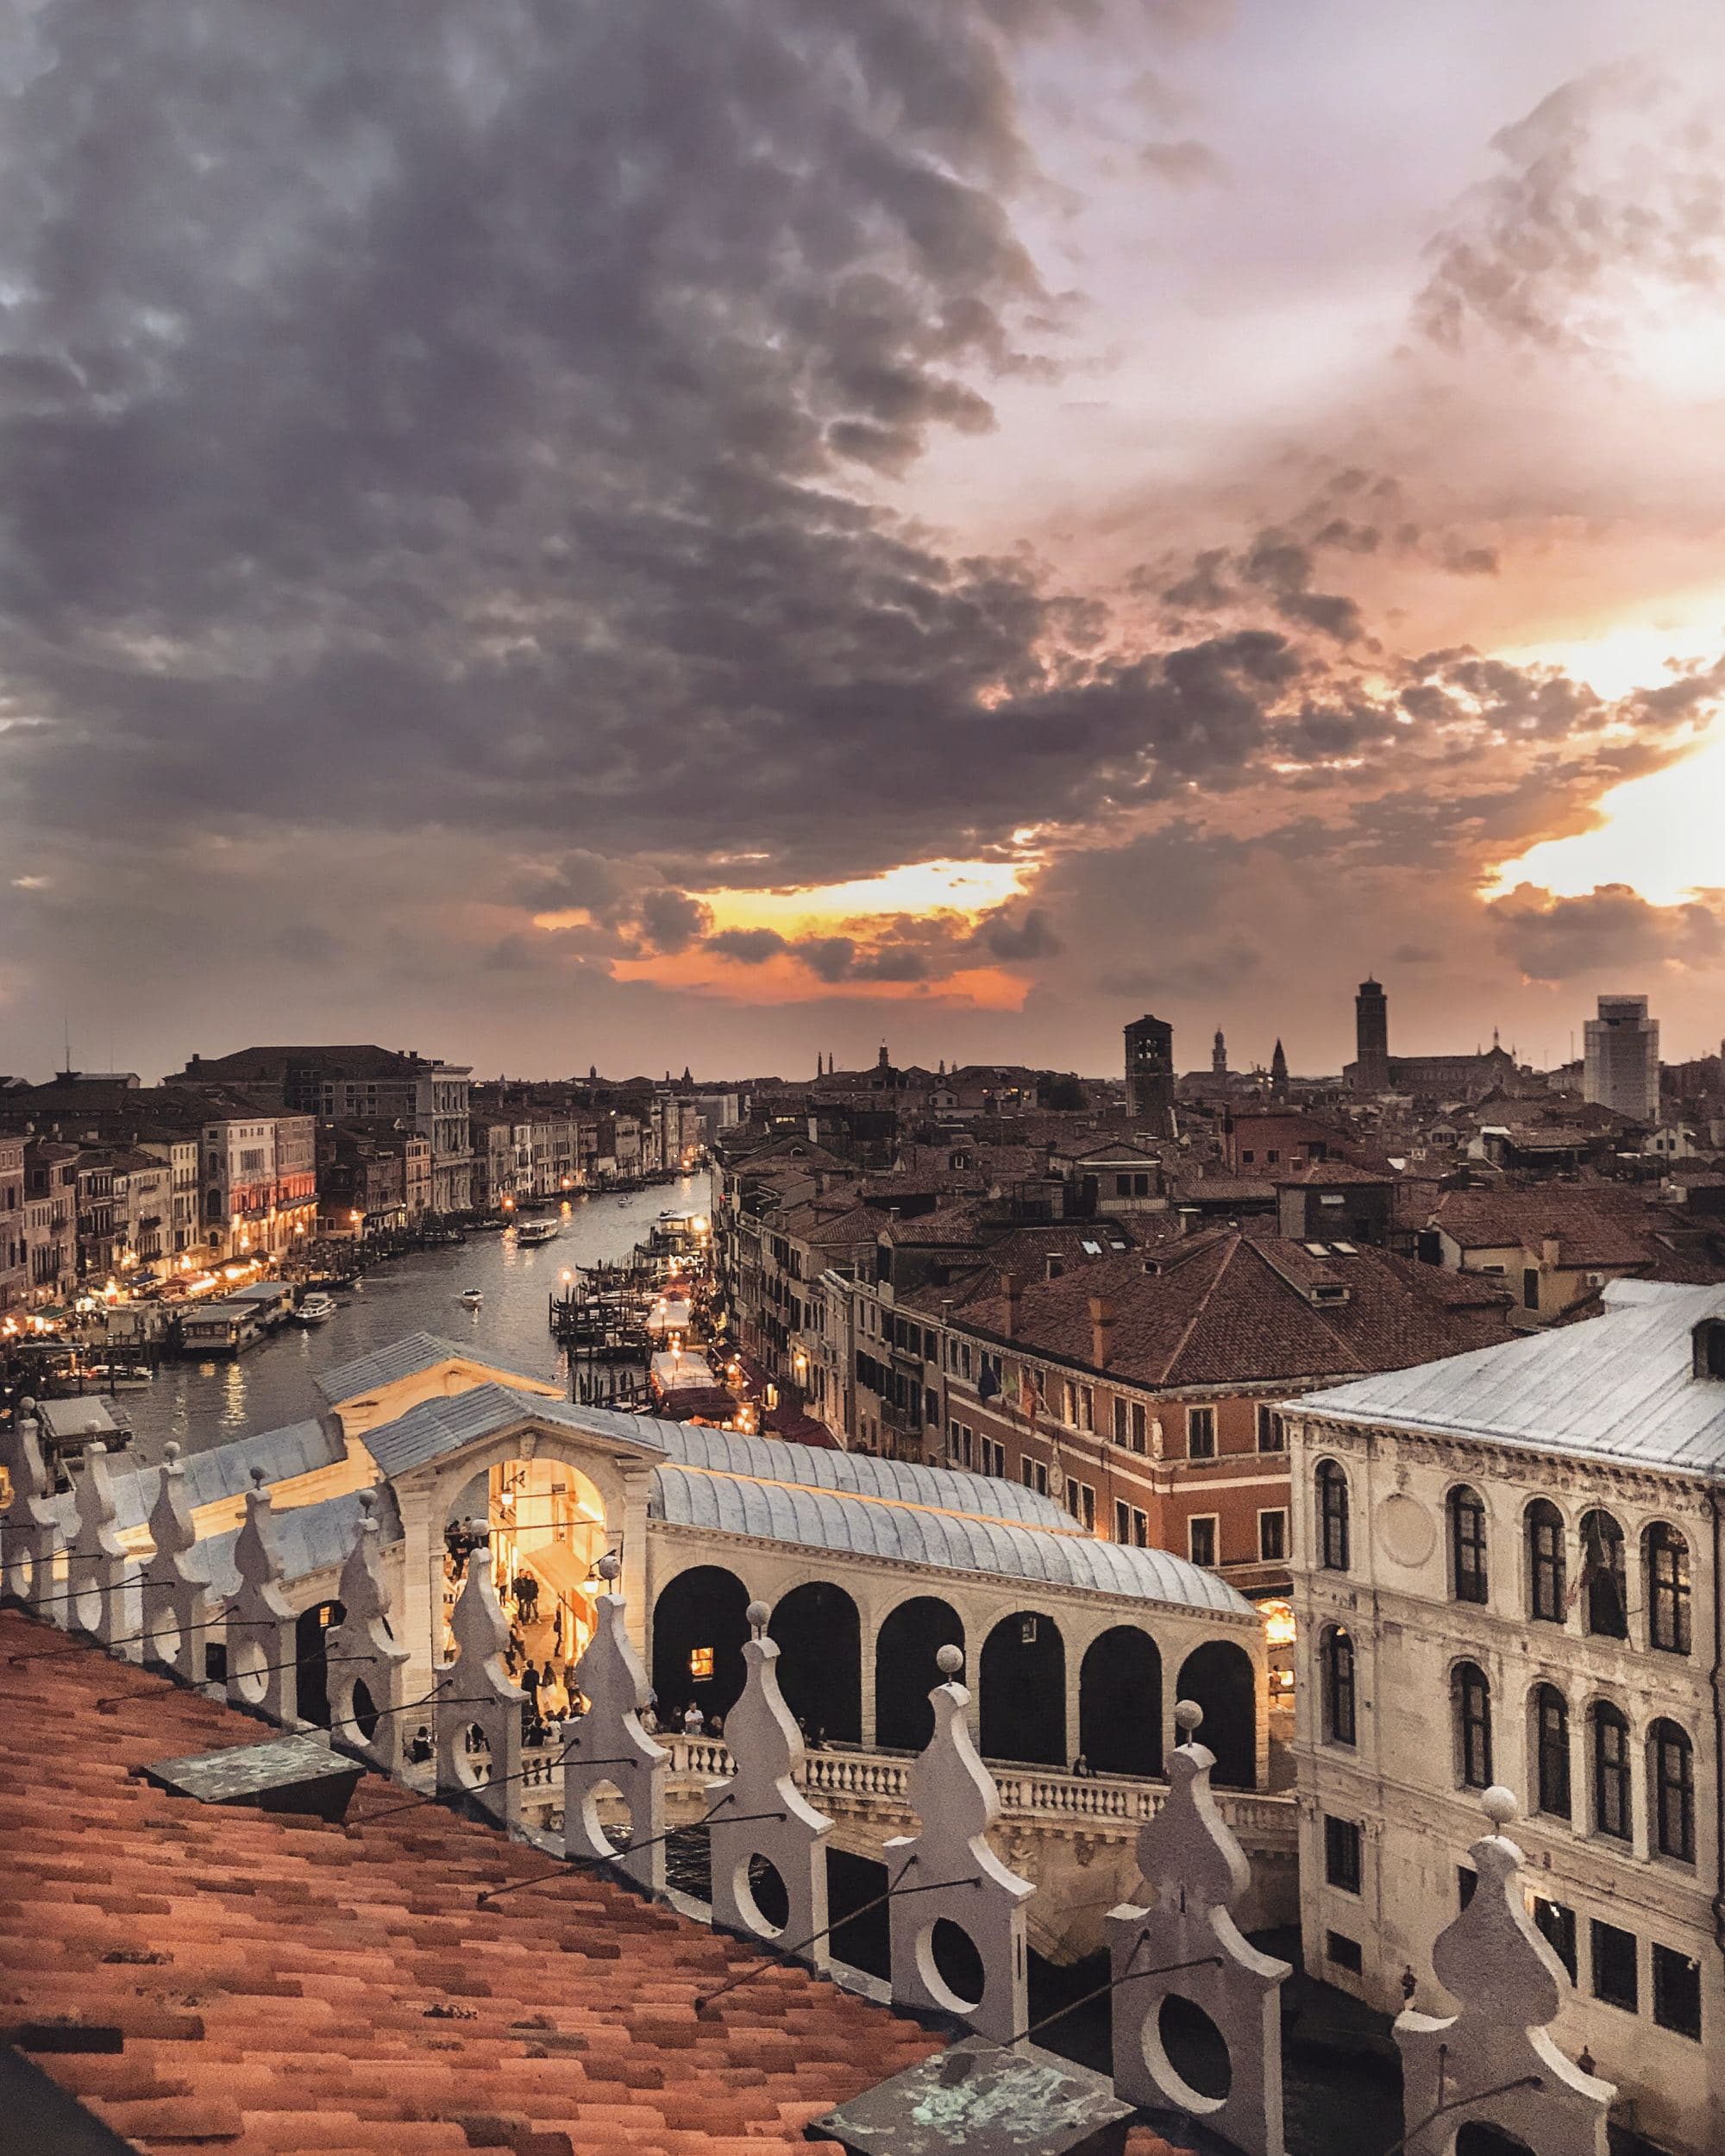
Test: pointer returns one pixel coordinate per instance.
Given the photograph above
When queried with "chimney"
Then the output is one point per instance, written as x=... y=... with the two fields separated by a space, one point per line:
x=1550 y=1254
x=1009 y=1296
x=1102 y=1331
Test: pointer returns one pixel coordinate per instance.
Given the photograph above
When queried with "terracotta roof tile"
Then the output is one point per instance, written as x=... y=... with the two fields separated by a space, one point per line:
x=276 y=1980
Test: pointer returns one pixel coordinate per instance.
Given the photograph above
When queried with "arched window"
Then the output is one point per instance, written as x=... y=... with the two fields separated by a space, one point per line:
x=1336 y=1653
x=1472 y=1698
x=1551 y=1750
x=1333 y=1517
x=1547 y=1575
x=1604 y=1575
x=1467 y=1545
x=1612 y=1813
x=1668 y=1620
x=1673 y=1766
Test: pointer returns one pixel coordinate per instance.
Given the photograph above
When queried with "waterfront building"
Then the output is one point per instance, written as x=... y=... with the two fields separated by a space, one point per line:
x=15 y=1267
x=1622 y=1058
x=51 y=1220
x=260 y=1185
x=1508 y=1570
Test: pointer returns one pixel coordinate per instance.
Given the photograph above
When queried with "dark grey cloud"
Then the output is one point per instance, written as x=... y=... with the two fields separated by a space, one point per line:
x=1016 y=934
x=671 y=920
x=1611 y=926
x=749 y=946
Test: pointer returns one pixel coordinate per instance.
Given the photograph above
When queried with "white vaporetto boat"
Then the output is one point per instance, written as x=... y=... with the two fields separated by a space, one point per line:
x=531 y=1232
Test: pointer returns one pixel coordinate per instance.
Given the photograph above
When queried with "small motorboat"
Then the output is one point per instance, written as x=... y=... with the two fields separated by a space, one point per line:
x=129 y=1374
x=316 y=1308
x=473 y=1299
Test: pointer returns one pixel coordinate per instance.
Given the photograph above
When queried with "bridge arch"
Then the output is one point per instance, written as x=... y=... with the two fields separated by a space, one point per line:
x=819 y=1635
x=1219 y=1678
x=1120 y=1702
x=700 y=1621
x=1022 y=1690
x=906 y=1672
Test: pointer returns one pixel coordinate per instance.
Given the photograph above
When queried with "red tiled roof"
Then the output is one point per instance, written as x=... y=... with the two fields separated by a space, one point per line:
x=1227 y=1306
x=284 y=1985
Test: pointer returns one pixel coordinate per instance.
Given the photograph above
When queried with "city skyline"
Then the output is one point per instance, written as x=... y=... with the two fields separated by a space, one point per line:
x=728 y=540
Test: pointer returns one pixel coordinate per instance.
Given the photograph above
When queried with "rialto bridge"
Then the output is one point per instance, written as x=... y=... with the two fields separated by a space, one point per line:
x=1076 y=1648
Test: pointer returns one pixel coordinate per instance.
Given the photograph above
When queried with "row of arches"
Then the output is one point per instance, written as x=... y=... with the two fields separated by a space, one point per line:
x=1593 y=1577
x=699 y=1623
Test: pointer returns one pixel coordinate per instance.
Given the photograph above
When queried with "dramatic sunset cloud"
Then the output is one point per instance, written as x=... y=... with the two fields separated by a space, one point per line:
x=713 y=533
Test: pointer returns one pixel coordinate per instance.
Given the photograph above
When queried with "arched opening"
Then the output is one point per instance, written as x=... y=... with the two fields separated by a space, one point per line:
x=699 y=1623
x=1469 y=1569
x=1334 y=1535
x=906 y=1671
x=1606 y=1574
x=1023 y=1690
x=820 y=1660
x=544 y=1522
x=310 y=1647
x=1119 y=1703
x=1218 y=1677
x=1548 y=1594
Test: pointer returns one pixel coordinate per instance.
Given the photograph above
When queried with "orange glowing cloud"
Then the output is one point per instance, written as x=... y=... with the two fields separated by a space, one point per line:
x=784 y=977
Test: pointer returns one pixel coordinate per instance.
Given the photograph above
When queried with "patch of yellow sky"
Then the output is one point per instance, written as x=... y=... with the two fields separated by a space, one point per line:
x=1663 y=835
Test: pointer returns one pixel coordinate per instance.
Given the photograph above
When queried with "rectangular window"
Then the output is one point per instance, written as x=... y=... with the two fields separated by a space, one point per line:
x=1272 y=1537
x=1614 y=1966
x=1140 y=1436
x=1087 y=1408
x=1130 y=1526
x=1677 y=1992
x=1122 y=1421
x=1201 y=1538
x=1557 y=1925
x=1342 y=1952
x=1200 y=1433
x=1035 y=1474
x=1081 y=1502
x=1272 y=1431
x=993 y=1458
x=1342 y=1853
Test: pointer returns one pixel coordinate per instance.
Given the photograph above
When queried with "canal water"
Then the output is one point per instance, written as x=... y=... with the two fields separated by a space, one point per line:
x=202 y=1404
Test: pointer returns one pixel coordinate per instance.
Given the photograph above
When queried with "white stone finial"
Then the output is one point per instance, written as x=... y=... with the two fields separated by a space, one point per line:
x=31 y=1531
x=609 y=1566
x=175 y=1585
x=1499 y=1805
x=362 y=1655
x=98 y=1573
x=955 y=1802
x=262 y=1646
x=778 y=1824
x=607 y=1748
x=948 y=1660
x=1510 y=1985
x=171 y=1450
x=478 y=1693
x=1194 y=1872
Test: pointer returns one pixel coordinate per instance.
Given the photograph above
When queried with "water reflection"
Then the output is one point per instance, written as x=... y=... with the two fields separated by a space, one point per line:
x=202 y=1404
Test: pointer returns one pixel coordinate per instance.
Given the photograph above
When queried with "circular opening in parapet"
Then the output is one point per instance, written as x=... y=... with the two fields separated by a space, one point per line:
x=248 y=1670
x=763 y=1898
x=1188 y=2055
x=473 y=1758
x=950 y=1967
x=162 y=1641
x=20 y=1574
x=365 y=1713
x=606 y=1820
x=86 y=1608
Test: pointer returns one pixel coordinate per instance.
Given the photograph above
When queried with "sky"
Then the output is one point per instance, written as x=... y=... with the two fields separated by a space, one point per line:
x=718 y=532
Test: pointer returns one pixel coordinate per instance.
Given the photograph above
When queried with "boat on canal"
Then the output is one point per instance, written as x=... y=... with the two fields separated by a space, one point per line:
x=530 y=1233
x=473 y=1299
x=317 y=1308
